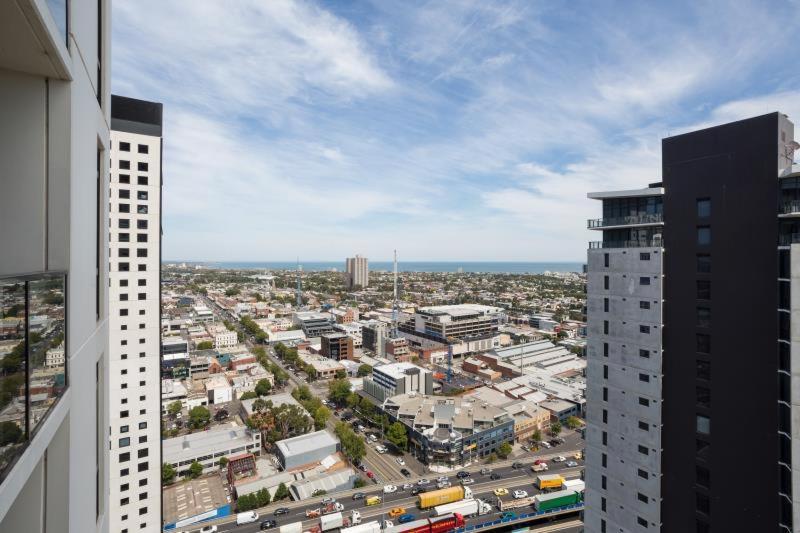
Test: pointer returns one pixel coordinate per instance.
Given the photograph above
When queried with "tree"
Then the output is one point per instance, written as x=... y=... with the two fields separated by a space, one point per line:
x=359 y=482
x=199 y=417
x=397 y=435
x=195 y=470
x=249 y=395
x=364 y=370
x=352 y=400
x=302 y=393
x=319 y=492
x=232 y=291
x=340 y=374
x=223 y=462
x=492 y=457
x=352 y=445
x=167 y=474
x=205 y=345
x=281 y=492
x=262 y=498
x=536 y=435
x=504 y=450
x=367 y=407
x=321 y=417
x=555 y=428
x=263 y=387
x=573 y=422
x=338 y=391
x=311 y=372
x=174 y=408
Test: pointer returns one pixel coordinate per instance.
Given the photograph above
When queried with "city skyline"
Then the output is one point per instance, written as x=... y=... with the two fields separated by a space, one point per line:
x=489 y=121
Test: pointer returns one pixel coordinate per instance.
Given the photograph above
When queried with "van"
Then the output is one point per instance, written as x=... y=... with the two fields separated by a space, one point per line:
x=246 y=518
x=373 y=500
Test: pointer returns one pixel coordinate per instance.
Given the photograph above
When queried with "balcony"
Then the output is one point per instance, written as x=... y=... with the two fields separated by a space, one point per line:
x=33 y=372
x=643 y=219
x=654 y=242
x=788 y=239
x=789 y=209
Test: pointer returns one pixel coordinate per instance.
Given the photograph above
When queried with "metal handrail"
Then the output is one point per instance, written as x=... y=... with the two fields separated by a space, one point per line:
x=653 y=242
x=630 y=220
x=792 y=206
x=32 y=276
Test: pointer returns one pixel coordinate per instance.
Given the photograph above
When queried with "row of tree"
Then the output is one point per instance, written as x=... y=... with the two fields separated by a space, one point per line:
x=313 y=405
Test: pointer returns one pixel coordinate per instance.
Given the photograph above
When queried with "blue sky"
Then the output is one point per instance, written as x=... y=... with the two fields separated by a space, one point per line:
x=450 y=130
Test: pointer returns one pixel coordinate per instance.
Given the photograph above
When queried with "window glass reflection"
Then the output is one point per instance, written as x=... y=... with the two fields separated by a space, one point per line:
x=12 y=372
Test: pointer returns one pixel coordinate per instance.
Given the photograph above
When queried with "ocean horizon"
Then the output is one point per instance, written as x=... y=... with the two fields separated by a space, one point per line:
x=494 y=267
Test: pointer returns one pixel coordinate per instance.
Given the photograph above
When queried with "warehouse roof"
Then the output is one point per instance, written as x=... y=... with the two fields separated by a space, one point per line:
x=305 y=443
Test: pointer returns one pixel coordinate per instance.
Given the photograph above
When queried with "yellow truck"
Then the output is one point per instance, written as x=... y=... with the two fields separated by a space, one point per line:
x=443 y=496
x=549 y=482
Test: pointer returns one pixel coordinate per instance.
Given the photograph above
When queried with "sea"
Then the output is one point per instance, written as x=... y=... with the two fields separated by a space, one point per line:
x=494 y=267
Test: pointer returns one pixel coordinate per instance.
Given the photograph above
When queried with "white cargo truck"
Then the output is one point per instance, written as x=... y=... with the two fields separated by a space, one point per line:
x=464 y=508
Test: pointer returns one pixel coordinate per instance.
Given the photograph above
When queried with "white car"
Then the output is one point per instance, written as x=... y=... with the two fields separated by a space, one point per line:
x=559 y=459
x=388 y=489
x=387 y=524
x=441 y=479
x=208 y=529
x=408 y=486
x=545 y=444
x=381 y=449
x=400 y=461
x=443 y=485
x=467 y=481
x=423 y=481
x=520 y=494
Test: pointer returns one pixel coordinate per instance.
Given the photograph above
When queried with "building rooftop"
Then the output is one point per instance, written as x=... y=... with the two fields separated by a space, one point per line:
x=460 y=309
x=631 y=193
x=205 y=442
x=305 y=443
x=398 y=370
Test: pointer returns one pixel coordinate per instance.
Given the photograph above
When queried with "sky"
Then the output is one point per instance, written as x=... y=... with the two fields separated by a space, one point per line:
x=448 y=129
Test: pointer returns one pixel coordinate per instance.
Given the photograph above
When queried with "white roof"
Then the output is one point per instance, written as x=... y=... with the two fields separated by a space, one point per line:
x=306 y=443
x=648 y=191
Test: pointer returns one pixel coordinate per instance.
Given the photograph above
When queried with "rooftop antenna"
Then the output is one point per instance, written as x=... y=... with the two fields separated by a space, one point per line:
x=395 y=306
x=299 y=289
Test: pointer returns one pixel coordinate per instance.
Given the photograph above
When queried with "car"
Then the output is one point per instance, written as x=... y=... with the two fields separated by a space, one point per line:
x=500 y=491
x=268 y=524
x=362 y=468
x=554 y=442
x=572 y=464
x=408 y=486
x=467 y=481
x=404 y=519
x=370 y=474
x=388 y=489
x=358 y=496
x=443 y=485
x=328 y=499
x=508 y=515
x=417 y=490
x=495 y=476
x=578 y=456
x=519 y=494
x=397 y=511
x=539 y=461
x=387 y=524
x=381 y=449
x=559 y=459
x=423 y=481
x=361 y=428
x=525 y=448
x=517 y=465
x=462 y=474
x=405 y=472
x=246 y=518
x=373 y=500
x=281 y=510
x=400 y=461
x=441 y=479
x=208 y=529
x=485 y=471
x=545 y=444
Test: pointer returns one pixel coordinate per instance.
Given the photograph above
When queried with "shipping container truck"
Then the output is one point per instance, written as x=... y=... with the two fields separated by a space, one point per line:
x=577 y=485
x=294 y=527
x=369 y=527
x=440 y=524
x=549 y=481
x=443 y=496
x=554 y=500
x=516 y=503
x=333 y=521
x=468 y=507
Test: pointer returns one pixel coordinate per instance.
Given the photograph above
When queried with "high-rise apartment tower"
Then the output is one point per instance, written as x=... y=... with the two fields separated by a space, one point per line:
x=357 y=272
x=54 y=151
x=692 y=339
x=134 y=315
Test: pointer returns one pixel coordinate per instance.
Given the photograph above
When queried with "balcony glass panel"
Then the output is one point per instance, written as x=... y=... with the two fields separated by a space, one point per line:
x=48 y=377
x=13 y=393
x=58 y=8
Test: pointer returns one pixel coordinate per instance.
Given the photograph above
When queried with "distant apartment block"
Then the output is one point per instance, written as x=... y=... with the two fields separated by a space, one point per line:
x=54 y=153
x=357 y=272
x=135 y=314
x=398 y=378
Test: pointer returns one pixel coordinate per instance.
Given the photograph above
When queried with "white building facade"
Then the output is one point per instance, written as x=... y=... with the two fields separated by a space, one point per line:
x=54 y=142
x=134 y=315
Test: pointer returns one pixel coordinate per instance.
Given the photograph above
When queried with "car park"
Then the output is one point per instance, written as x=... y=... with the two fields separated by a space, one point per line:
x=500 y=491
x=281 y=510
x=268 y=524
x=519 y=494
x=404 y=519
x=388 y=489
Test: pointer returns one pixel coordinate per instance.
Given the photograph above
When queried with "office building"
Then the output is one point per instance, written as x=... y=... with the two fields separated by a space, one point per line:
x=134 y=315
x=54 y=151
x=313 y=324
x=398 y=378
x=357 y=272
x=337 y=346
x=665 y=450
x=450 y=323
x=373 y=337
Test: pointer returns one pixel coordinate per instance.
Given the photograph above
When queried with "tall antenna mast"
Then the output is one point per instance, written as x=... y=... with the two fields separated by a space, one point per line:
x=299 y=290
x=395 y=305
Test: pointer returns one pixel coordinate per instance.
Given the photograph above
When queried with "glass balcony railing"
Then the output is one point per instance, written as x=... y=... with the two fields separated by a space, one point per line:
x=58 y=8
x=788 y=239
x=653 y=242
x=631 y=220
x=33 y=358
x=789 y=207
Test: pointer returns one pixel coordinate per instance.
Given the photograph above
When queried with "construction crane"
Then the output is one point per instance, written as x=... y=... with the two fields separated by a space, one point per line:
x=395 y=304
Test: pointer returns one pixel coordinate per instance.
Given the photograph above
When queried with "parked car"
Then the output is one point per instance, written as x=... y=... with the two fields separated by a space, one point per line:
x=400 y=461
x=559 y=459
x=208 y=529
x=358 y=496
x=500 y=491
x=417 y=490
x=539 y=461
x=362 y=468
x=443 y=485
x=572 y=464
x=467 y=481
x=545 y=444
x=485 y=471
x=405 y=472
x=328 y=499
x=408 y=486
x=554 y=442
x=519 y=494
x=462 y=474
x=268 y=524
x=494 y=476
x=423 y=481
x=388 y=489
x=370 y=474
x=246 y=518
x=281 y=510
x=441 y=478
x=404 y=519
x=516 y=465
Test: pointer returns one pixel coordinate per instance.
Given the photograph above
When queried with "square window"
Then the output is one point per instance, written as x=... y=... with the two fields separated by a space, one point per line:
x=703 y=235
x=644 y=280
x=703 y=207
x=141 y=180
x=124 y=252
x=123 y=429
x=644 y=304
x=141 y=209
x=142 y=296
x=703 y=317
x=644 y=329
x=645 y=378
x=125 y=178
x=124 y=237
x=142 y=425
x=143 y=149
x=141 y=166
x=125 y=194
x=644 y=256
x=124 y=147
x=124 y=457
x=142 y=283
x=142 y=268
x=142 y=453
x=142 y=467
x=124 y=472
x=643 y=474
x=124 y=208
x=124 y=223
x=644 y=353
x=643 y=450
x=644 y=426
x=141 y=237
x=123 y=414
x=123 y=442
x=703 y=425
x=124 y=501
x=141 y=195
x=703 y=264
x=141 y=252
x=642 y=498
x=644 y=402
x=125 y=165
x=141 y=224
x=641 y=521
x=703 y=369
x=703 y=343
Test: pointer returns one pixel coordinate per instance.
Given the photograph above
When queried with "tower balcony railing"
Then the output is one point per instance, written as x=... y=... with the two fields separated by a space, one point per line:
x=642 y=219
x=791 y=207
x=788 y=239
x=33 y=373
x=653 y=242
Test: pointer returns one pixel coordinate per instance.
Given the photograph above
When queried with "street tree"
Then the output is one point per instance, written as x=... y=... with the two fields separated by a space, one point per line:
x=174 y=408
x=338 y=391
x=263 y=387
x=199 y=417
x=364 y=370
x=504 y=450
x=167 y=474
x=321 y=416
x=397 y=435
x=555 y=428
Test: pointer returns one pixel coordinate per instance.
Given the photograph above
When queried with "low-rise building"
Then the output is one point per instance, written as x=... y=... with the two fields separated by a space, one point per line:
x=561 y=409
x=218 y=389
x=398 y=378
x=201 y=313
x=207 y=447
x=337 y=346
x=313 y=324
x=225 y=339
x=304 y=450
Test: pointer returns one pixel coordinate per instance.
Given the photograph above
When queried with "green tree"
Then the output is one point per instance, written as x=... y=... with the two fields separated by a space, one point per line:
x=263 y=387
x=340 y=374
x=281 y=492
x=263 y=498
x=302 y=393
x=573 y=422
x=504 y=450
x=352 y=400
x=555 y=428
x=311 y=373
x=167 y=474
x=367 y=407
x=223 y=462
x=319 y=492
x=199 y=417
x=364 y=370
x=536 y=435
x=352 y=445
x=397 y=435
x=359 y=482
x=245 y=502
x=205 y=345
x=174 y=408
x=491 y=458
x=338 y=391
x=232 y=291
x=195 y=470
x=249 y=395
x=321 y=416
x=10 y=433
